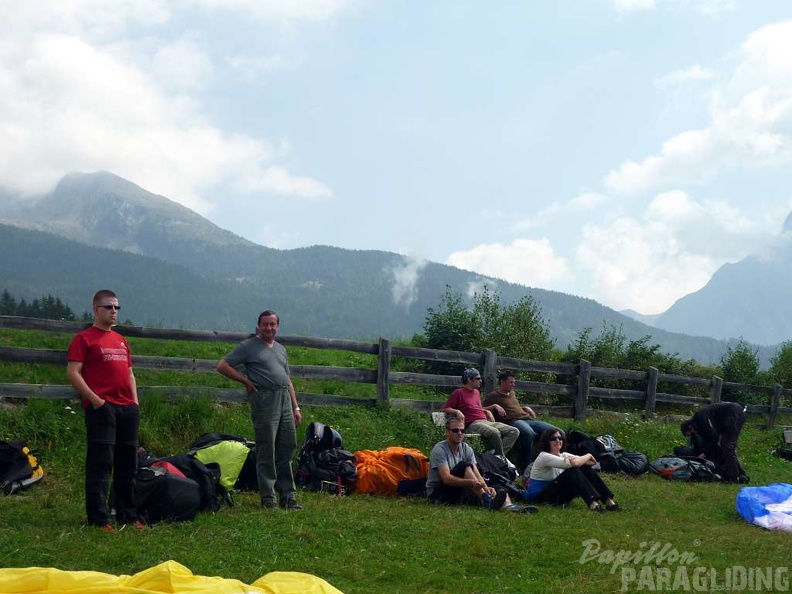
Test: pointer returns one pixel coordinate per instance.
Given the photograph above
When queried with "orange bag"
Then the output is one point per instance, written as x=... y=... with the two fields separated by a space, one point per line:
x=393 y=471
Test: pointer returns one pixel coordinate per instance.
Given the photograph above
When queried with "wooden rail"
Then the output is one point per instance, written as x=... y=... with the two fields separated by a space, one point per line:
x=577 y=388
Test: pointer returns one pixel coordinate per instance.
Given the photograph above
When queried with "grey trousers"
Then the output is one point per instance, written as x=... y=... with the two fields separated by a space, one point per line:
x=497 y=436
x=276 y=442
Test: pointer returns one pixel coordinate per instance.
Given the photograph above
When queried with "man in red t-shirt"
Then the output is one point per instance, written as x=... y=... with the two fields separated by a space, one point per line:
x=100 y=369
x=465 y=404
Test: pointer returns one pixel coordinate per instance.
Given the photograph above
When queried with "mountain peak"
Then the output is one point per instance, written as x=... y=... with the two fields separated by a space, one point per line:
x=106 y=210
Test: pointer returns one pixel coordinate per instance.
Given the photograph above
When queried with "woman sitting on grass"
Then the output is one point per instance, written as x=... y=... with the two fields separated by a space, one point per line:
x=557 y=477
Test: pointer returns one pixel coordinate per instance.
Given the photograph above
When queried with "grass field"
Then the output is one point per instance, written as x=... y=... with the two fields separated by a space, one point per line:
x=365 y=544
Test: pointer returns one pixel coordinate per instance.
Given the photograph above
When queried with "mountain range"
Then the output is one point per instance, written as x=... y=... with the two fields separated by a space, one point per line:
x=173 y=268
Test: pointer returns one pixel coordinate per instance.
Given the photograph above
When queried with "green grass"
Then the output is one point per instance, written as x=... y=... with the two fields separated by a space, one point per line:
x=364 y=544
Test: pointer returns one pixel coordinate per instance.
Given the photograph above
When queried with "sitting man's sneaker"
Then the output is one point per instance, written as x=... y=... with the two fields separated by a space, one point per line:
x=521 y=509
x=290 y=503
x=743 y=479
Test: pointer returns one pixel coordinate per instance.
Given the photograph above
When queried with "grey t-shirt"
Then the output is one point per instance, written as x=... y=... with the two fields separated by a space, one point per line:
x=442 y=455
x=267 y=367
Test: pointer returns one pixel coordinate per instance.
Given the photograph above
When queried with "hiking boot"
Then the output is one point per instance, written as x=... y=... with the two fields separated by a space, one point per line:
x=290 y=503
x=268 y=504
x=106 y=528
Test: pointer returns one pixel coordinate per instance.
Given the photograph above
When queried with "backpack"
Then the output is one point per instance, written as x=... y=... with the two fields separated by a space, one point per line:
x=580 y=443
x=623 y=462
x=212 y=493
x=393 y=471
x=322 y=464
x=498 y=472
x=685 y=469
x=610 y=455
x=164 y=496
x=236 y=456
x=19 y=467
x=319 y=436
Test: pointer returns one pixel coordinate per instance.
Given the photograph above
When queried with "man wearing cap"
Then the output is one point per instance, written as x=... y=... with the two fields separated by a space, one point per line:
x=465 y=404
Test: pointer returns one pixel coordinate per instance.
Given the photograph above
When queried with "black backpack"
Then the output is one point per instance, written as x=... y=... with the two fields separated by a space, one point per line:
x=497 y=472
x=212 y=493
x=323 y=464
x=686 y=469
x=19 y=467
x=162 y=496
x=623 y=462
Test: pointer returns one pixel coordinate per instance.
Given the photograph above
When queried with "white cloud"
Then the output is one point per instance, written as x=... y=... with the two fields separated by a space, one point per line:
x=581 y=203
x=633 y=5
x=672 y=249
x=524 y=261
x=254 y=67
x=75 y=95
x=750 y=122
x=704 y=7
x=691 y=74
x=181 y=65
x=405 y=280
x=280 y=10
x=688 y=157
x=476 y=287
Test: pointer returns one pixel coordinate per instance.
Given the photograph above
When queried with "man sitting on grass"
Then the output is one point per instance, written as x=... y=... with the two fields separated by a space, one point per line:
x=454 y=477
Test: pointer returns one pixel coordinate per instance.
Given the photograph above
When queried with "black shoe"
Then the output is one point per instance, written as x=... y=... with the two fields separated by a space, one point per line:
x=268 y=504
x=743 y=479
x=600 y=509
x=290 y=503
x=613 y=507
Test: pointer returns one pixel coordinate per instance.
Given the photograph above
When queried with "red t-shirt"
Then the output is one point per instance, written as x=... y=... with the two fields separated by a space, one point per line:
x=106 y=361
x=468 y=402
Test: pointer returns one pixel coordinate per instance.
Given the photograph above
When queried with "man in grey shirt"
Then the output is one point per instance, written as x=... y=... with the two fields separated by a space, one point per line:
x=455 y=479
x=274 y=408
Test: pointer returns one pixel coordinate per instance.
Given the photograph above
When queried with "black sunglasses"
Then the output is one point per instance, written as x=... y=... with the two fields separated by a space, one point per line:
x=109 y=307
x=556 y=438
x=456 y=430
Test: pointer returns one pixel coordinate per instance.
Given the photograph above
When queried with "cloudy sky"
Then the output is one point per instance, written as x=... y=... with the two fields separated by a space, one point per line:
x=620 y=150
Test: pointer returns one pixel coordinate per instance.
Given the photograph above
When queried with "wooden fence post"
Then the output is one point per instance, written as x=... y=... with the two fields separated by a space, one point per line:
x=490 y=372
x=651 y=392
x=383 y=371
x=775 y=402
x=717 y=388
x=584 y=379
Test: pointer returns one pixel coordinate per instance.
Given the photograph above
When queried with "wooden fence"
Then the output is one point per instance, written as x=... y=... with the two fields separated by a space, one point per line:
x=575 y=391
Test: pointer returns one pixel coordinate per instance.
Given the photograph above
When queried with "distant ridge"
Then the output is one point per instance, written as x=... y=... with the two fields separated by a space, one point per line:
x=177 y=269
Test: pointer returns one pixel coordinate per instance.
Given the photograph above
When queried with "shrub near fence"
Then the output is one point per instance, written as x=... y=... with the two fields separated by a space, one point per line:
x=574 y=394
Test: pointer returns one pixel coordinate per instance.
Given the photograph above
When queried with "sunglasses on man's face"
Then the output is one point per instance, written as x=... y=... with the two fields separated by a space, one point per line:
x=456 y=430
x=110 y=307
